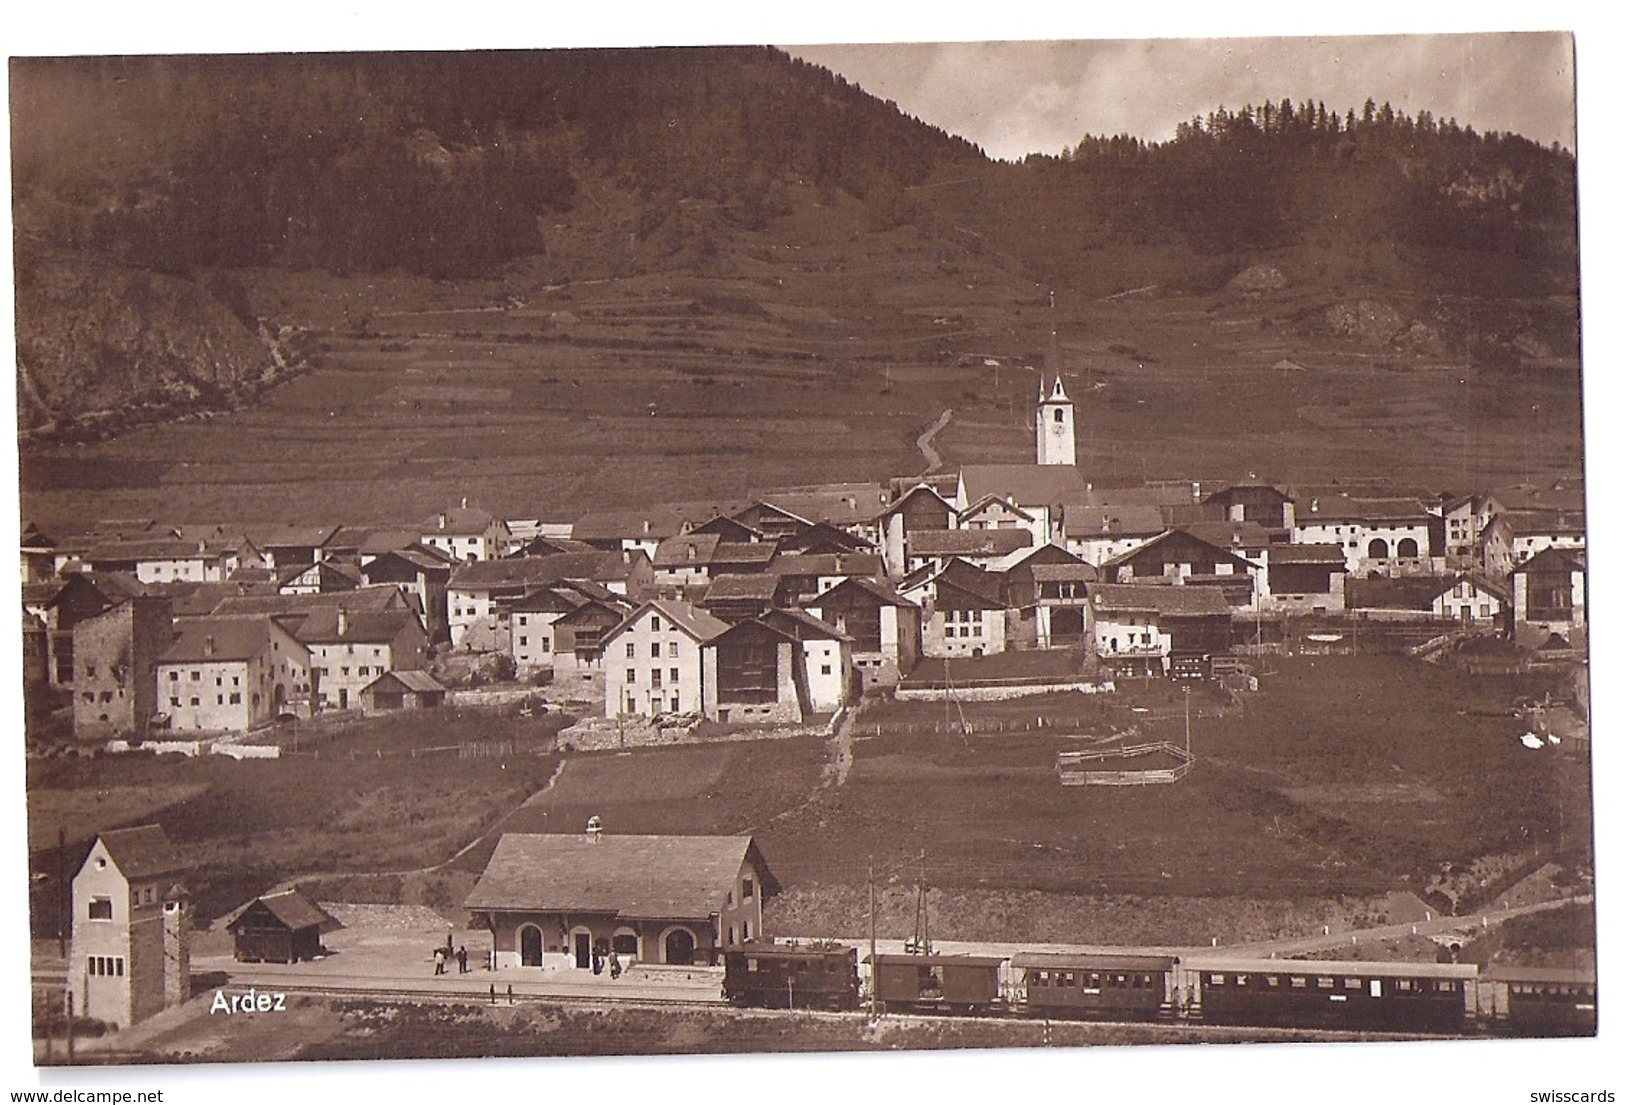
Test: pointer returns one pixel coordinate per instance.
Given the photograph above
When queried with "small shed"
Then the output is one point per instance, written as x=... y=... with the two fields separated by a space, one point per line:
x=402 y=690
x=284 y=927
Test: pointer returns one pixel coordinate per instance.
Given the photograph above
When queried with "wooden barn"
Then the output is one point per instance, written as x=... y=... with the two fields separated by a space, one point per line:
x=279 y=928
x=402 y=690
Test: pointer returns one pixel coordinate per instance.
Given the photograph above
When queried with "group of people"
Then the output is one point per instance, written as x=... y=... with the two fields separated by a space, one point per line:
x=602 y=956
x=445 y=954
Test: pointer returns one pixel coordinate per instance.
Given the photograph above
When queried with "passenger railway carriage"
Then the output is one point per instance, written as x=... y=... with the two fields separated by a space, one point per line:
x=1306 y=993
x=1119 y=987
x=1367 y=996
x=1536 y=1001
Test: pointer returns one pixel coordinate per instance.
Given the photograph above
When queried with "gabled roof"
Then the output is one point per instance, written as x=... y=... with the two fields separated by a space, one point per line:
x=1064 y=573
x=803 y=626
x=827 y=564
x=758 y=586
x=967 y=542
x=419 y=556
x=290 y=908
x=1159 y=598
x=546 y=600
x=987 y=501
x=839 y=504
x=1145 y=548
x=686 y=550
x=160 y=549
x=601 y=610
x=598 y=565
x=142 y=852
x=922 y=489
x=698 y=624
x=631 y=877
x=459 y=521
x=1329 y=510
x=381 y=596
x=1114 y=521
x=380 y=541
x=1307 y=554
x=825 y=534
x=1229 y=491
x=321 y=626
x=218 y=640
x=960 y=575
x=292 y=536
x=1232 y=535
x=1543 y=521
x=873 y=588
x=643 y=524
x=756 y=554
x=418 y=682
x=1553 y=558
x=1030 y=485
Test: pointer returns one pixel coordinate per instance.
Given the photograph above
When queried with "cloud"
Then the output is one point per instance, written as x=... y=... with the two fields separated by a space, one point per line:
x=1014 y=98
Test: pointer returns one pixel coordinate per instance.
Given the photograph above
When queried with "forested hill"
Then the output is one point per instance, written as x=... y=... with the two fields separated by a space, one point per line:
x=1270 y=176
x=436 y=163
x=161 y=174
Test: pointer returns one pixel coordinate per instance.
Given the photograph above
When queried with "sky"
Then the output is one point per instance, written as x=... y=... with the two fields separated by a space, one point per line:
x=1015 y=98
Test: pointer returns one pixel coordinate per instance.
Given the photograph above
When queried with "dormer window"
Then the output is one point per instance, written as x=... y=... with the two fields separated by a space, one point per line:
x=101 y=909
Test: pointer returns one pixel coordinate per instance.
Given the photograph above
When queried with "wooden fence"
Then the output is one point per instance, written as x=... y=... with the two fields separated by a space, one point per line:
x=1068 y=766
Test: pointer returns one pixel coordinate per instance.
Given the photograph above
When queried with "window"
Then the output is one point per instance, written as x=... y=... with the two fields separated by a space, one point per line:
x=1325 y=982
x=631 y=675
x=196 y=675
x=101 y=909
x=675 y=708
x=524 y=642
x=654 y=678
x=174 y=676
x=236 y=698
x=671 y=650
x=654 y=624
x=825 y=669
x=547 y=644
x=631 y=651
x=173 y=701
x=749 y=888
x=193 y=700
x=219 y=700
x=676 y=676
x=654 y=650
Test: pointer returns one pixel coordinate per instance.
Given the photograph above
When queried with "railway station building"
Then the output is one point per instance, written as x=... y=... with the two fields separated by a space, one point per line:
x=558 y=901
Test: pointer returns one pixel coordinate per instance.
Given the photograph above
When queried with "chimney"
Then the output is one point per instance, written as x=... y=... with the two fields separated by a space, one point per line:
x=442 y=519
x=465 y=502
x=208 y=645
x=344 y=621
x=595 y=828
x=646 y=525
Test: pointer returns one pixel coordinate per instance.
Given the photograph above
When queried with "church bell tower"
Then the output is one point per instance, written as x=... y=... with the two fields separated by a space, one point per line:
x=1057 y=427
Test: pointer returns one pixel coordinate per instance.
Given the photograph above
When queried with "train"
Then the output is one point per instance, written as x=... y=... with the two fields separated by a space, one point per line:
x=1352 y=995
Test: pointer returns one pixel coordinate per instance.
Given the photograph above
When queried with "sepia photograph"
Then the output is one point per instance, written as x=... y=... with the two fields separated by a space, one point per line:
x=636 y=549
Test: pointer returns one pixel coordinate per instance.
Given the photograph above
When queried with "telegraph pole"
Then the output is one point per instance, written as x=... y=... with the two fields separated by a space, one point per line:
x=874 y=958
x=1187 y=689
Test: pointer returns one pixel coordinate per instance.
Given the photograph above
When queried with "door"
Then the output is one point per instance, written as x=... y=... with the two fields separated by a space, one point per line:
x=530 y=946
x=583 y=947
x=680 y=947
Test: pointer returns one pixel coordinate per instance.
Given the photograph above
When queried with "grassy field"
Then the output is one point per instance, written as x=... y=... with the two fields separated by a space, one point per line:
x=246 y=825
x=1343 y=776
x=816 y=361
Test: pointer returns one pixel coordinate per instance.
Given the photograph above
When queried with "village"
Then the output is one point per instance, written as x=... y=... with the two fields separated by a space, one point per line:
x=790 y=611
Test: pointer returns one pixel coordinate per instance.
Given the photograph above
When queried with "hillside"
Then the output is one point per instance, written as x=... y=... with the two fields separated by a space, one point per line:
x=139 y=182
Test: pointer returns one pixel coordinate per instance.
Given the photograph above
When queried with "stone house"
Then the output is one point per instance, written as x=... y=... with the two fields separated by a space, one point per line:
x=560 y=901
